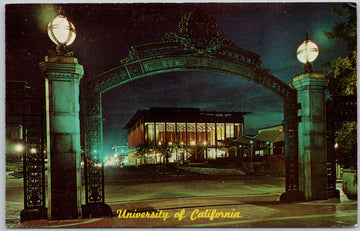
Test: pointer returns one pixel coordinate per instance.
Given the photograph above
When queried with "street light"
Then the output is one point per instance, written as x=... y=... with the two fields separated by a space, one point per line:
x=62 y=32
x=307 y=52
x=19 y=148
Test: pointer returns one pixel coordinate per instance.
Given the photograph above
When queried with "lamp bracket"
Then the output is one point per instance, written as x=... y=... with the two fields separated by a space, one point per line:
x=308 y=67
x=61 y=50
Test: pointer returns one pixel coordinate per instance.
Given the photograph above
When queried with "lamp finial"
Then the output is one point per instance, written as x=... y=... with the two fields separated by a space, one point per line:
x=60 y=10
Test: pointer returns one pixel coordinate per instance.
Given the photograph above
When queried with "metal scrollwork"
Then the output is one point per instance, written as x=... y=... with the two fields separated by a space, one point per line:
x=134 y=69
x=198 y=32
x=34 y=166
x=93 y=166
x=94 y=180
x=291 y=121
x=22 y=104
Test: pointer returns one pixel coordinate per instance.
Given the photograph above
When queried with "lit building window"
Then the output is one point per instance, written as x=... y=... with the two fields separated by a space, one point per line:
x=188 y=133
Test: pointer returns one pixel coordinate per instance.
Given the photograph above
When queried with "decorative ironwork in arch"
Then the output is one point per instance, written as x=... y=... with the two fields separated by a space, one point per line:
x=197 y=45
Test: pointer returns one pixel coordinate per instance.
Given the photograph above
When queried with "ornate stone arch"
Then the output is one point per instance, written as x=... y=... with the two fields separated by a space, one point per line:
x=197 y=45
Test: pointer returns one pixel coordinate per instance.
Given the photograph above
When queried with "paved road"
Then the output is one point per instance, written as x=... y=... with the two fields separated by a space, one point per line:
x=171 y=192
x=160 y=183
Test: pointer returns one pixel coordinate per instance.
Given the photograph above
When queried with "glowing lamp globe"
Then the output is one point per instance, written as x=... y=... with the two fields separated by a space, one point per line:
x=61 y=31
x=19 y=147
x=307 y=52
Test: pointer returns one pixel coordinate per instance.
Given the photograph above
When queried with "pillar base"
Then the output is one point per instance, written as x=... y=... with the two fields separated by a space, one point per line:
x=96 y=210
x=292 y=196
x=334 y=193
x=33 y=214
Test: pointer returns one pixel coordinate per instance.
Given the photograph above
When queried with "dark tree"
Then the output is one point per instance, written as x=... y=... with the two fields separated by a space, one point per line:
x=342 y=75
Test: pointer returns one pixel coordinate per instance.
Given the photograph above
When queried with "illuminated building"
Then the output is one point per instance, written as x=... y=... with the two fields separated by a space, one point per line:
x=181 y=135
x=262 y=154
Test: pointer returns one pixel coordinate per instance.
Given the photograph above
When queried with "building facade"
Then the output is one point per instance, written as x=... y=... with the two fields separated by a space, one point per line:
x=181 y=135
x=262 y=154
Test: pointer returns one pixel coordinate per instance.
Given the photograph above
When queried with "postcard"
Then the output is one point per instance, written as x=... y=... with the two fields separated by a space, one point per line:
x=192 y=115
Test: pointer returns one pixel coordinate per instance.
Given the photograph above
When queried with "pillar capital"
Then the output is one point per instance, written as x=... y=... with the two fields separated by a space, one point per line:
x=61 y=67
x=312 y=80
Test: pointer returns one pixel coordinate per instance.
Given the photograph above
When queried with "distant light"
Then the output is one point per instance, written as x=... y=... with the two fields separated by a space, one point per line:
x=99 y=165
x=33 y=150
x=307 y=52
x=61 y=31
x=336 y=145
x=19 y=147
x=170 y=143
x=205 y=143
x=192 y=142
x=251 y=142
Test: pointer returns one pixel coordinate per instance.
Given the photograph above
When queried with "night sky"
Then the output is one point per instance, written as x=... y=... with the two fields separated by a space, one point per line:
x=105 y=32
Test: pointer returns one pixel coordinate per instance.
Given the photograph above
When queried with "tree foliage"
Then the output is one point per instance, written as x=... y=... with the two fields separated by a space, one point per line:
x=342 y=75
x=341 y=71
x=345 y=28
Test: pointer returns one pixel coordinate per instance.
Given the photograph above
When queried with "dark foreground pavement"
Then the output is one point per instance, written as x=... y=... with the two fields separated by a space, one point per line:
x=254 y=211
x=180 y=201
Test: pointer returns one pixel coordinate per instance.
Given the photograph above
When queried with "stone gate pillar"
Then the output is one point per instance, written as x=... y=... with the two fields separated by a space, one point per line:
x=312 y=134
x=62 y=79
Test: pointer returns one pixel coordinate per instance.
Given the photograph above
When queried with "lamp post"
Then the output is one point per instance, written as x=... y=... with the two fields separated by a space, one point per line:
x=19 y=148
x=240 y=155
x=62 y=79
x=310 y=87
x=252 y=156
x=268 y=148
